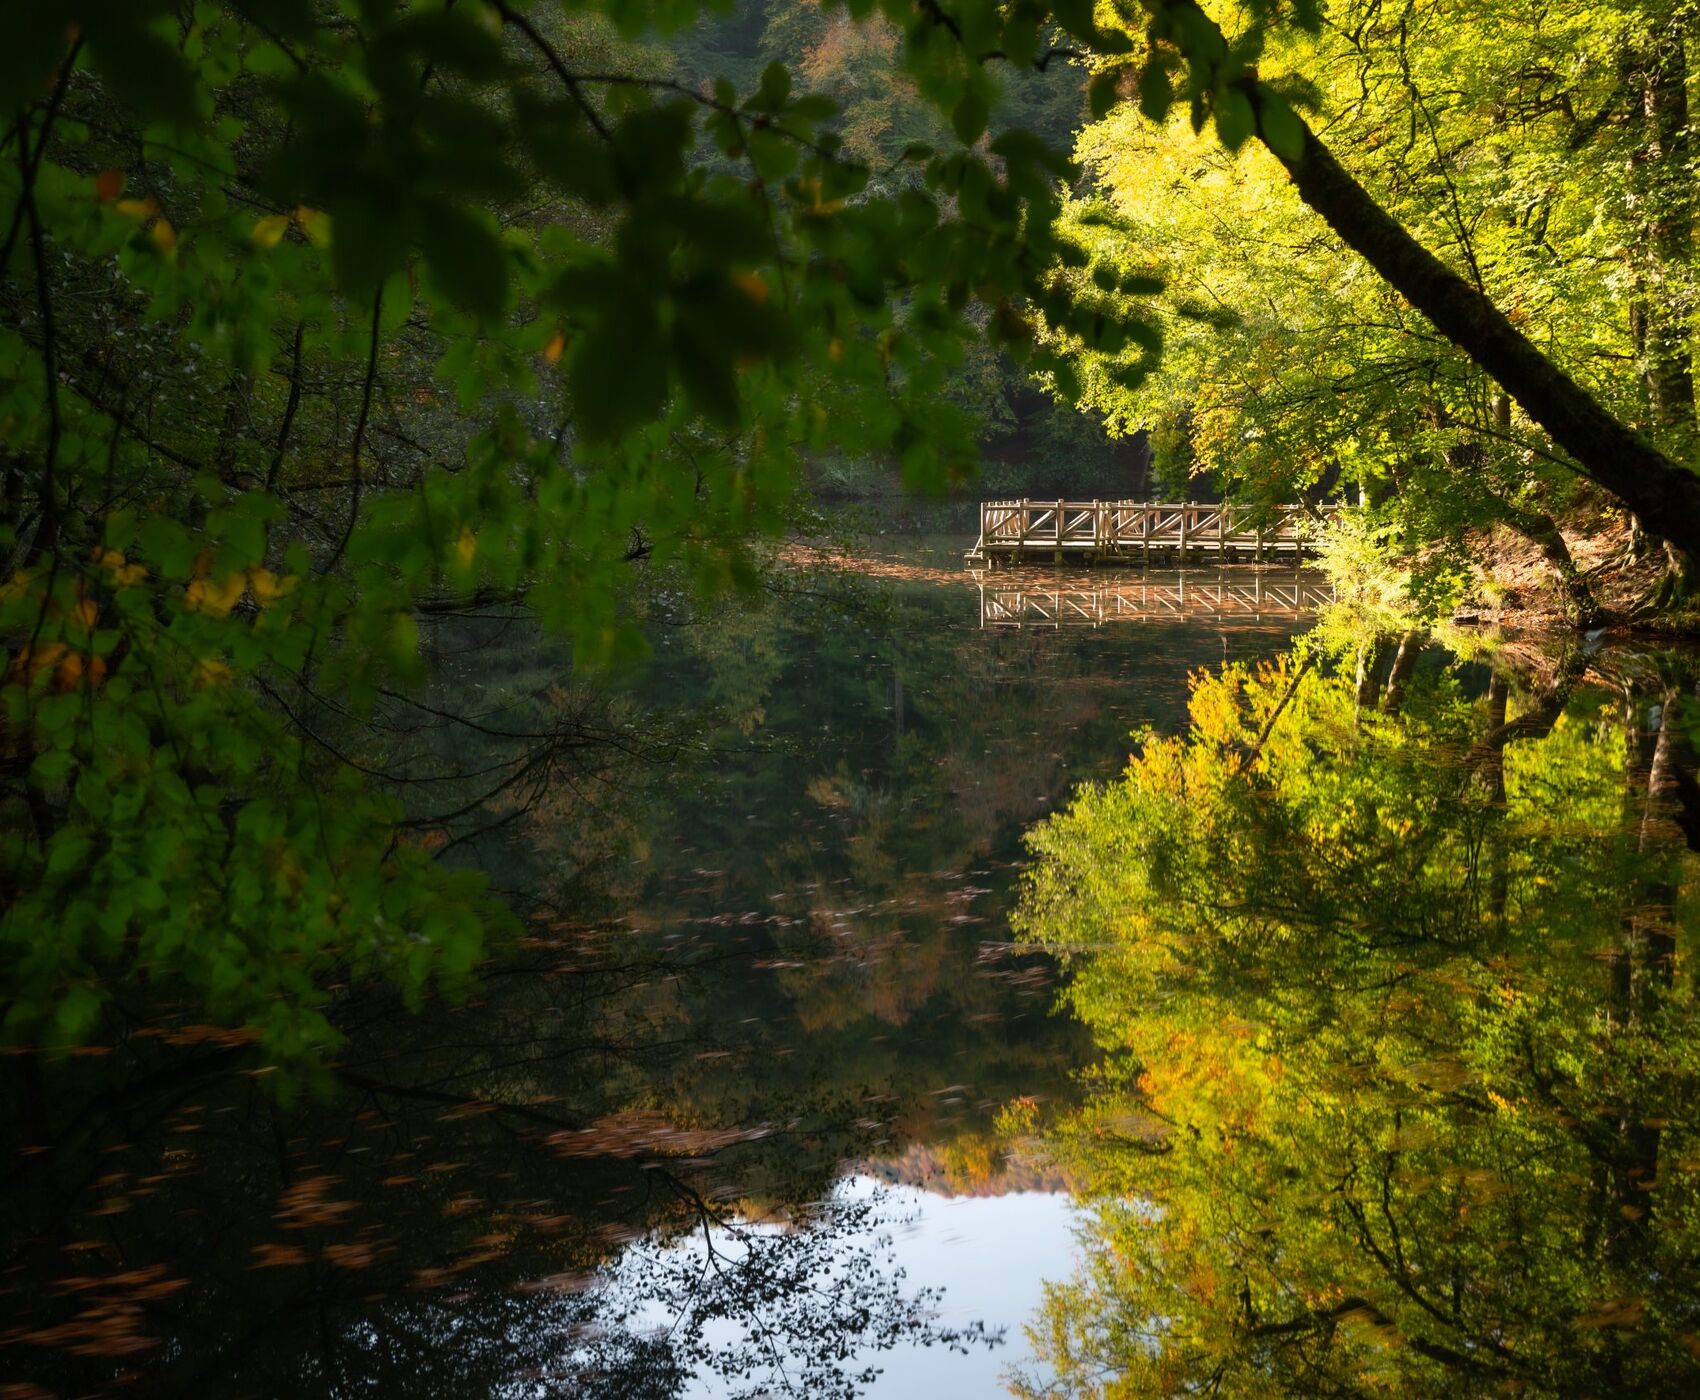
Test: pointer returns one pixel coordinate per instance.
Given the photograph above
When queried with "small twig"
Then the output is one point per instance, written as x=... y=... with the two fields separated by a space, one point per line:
x=543 y=46
x=47 y=533
x=288 y=410
x=1251 y=755
x=356 y=483
x=31 y=165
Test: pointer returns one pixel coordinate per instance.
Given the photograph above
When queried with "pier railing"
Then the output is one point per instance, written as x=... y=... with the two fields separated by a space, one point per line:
x=1141 y=530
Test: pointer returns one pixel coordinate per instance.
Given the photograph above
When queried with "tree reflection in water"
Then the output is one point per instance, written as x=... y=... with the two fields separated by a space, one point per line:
x=1398 y=1041
x=398 y=1238
x=805 y=970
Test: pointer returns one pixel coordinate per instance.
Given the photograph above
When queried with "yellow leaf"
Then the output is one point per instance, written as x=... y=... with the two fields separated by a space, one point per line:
x=17 y=588
x=267 y=587
x=120 y=570
x=138 y=209
x=316 y=224
x=215 y=597
x=164 y=236
x=269 y=231
x=466 y=546
x=552 y=351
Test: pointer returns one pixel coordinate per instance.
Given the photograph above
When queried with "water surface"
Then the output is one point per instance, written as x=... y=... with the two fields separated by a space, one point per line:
x=767 y=986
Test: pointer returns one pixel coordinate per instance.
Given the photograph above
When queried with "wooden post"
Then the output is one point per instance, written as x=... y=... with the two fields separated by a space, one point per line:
x=1222 y=534
x=1185 y=511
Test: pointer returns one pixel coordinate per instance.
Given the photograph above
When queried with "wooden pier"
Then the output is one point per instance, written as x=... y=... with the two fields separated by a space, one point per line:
x=1143 y=532
x=1248 y=596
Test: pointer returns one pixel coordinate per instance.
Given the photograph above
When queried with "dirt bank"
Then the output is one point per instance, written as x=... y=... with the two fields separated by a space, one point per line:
x=1516 y=588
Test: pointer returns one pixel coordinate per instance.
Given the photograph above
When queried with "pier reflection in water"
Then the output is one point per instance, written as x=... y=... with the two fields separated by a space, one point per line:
x=1053 y=599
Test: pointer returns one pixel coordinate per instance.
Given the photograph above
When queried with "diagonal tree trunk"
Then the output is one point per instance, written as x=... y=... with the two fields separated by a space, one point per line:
x=1665 y=495
x=1542 y=530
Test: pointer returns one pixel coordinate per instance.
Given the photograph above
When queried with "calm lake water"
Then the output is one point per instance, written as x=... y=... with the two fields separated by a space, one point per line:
x=767 y=982
x=865 y=848
x=745 y=1110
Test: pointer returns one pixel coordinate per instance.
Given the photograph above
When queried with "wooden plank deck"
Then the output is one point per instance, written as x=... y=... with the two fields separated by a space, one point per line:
x=1250 y=597
x=1143 y=531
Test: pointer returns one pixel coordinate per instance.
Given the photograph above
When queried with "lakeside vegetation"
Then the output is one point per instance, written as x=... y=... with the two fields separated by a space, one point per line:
x=1398 y=1025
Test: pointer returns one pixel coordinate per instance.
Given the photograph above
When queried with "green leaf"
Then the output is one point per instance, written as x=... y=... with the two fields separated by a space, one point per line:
x=51 y=766
x=1021 y=38
x=618 y=373
x=143 y=71
x=968 y=118
x=268 y=60
x=168 y=545
x=1235 y=120
x=775 y=88
x=1156 y=93
x=1281 y=128
x=1075 y=16
x=704 y=370
x=68 y=851
x=77 y=1012
x=466 y=258
x=35 y=42
x=370 y=241
x=1140 y=284
x=812 y=108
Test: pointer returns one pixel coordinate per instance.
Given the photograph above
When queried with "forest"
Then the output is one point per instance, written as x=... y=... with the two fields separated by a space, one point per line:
x=531 y=864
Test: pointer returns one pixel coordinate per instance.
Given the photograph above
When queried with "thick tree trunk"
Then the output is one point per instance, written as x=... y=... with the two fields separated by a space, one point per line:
x=1651 y=931
x=1643 y=966
x=1537 y=721
x=1404 y=663
x=1663 y=185
x=1541 y=529
x=1663 y=494
x=1370 y=657
x=1661 y=318
x=1499 y=872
